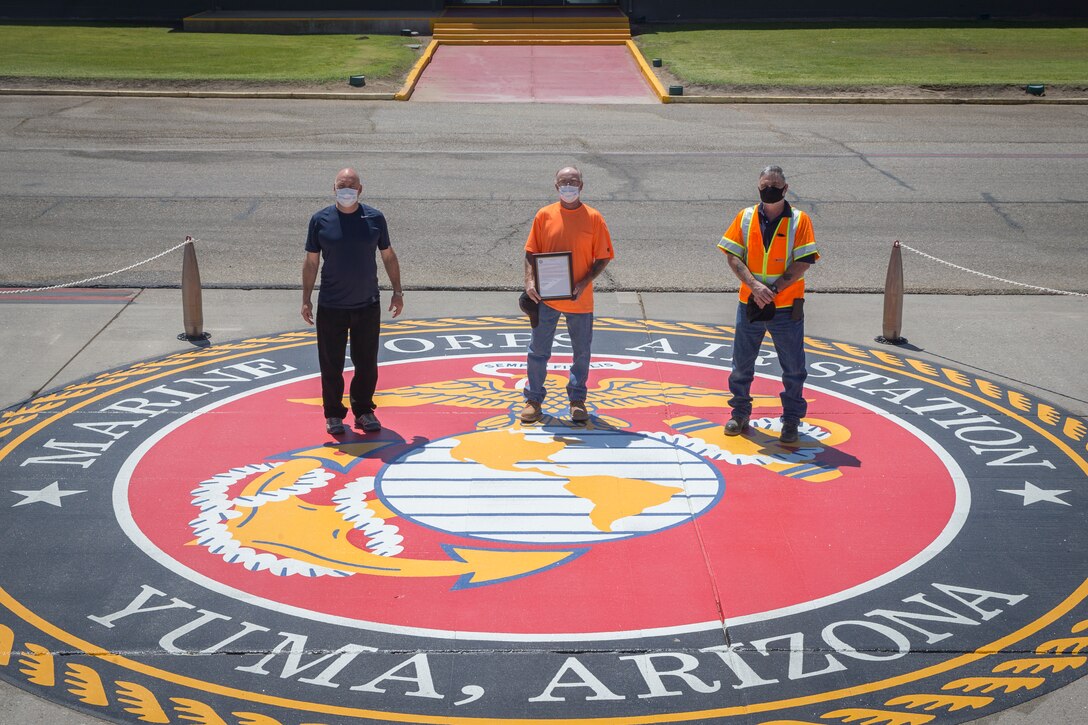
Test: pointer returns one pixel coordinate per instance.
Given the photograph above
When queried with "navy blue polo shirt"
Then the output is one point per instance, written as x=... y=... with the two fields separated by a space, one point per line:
x=348 y=244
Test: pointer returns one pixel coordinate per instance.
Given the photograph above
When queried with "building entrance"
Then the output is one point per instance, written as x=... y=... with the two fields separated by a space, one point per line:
x=524 y=3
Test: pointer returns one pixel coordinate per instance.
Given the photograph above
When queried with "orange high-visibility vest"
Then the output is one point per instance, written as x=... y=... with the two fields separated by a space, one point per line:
x=768 y=264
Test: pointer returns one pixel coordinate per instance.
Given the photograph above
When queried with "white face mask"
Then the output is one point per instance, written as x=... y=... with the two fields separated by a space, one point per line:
x=347 y=197
x=569 y=194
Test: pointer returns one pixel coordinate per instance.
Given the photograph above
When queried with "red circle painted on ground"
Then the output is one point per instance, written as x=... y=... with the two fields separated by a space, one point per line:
x=772 y=542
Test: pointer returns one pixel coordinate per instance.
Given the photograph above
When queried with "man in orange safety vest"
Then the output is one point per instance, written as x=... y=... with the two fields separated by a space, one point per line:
x=769 y=247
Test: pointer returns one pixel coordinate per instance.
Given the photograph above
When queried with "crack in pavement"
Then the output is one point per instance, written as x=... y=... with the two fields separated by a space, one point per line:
x=865 y=160
x=993 y=203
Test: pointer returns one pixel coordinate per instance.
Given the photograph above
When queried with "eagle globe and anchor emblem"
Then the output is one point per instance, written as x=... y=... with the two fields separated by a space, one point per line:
x=554 y=484
x=457 y=533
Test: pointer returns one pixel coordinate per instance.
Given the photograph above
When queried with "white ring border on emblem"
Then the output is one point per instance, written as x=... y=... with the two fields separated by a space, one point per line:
x=129 y=526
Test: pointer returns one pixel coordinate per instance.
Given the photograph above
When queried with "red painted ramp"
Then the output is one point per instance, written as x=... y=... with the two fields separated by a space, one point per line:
x=534 y=73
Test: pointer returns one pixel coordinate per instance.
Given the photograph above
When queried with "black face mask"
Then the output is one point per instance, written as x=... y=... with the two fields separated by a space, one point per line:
x=770 y=195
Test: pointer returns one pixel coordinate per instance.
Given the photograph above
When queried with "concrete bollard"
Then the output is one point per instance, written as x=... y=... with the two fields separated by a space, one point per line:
x=893 y=300
x=192 y=306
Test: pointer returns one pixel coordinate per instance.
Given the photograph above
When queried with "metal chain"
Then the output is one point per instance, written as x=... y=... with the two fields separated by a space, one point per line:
x=990 y=276
x=188 y=240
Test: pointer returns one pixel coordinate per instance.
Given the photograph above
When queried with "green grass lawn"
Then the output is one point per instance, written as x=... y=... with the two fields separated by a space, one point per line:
x=957 y=54
x=111 y=52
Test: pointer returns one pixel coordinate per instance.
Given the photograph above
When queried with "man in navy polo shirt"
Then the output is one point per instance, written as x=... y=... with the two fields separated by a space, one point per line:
x=346 y=236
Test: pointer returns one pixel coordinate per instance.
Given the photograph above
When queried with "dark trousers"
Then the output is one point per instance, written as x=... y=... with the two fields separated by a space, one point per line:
x=333 y=330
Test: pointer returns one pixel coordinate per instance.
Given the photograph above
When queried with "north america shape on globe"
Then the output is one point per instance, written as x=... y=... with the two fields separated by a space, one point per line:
x=536 y=486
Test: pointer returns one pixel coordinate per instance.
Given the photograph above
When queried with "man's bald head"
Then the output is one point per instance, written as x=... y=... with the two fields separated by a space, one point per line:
x=568 y=176
x=347 y=179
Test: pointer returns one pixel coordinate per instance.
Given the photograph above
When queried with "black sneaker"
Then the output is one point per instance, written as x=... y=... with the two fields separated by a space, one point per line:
x=334 y=426
x=368 y=422
x=789 y=432
x=736 y=425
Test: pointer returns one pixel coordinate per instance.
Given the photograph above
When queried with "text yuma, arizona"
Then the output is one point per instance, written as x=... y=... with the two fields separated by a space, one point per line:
x=929 y=617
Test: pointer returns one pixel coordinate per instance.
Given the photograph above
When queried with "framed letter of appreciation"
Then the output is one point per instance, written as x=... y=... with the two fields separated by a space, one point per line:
x=554 y=275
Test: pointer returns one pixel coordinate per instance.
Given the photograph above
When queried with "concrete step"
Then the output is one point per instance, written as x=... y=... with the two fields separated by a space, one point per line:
x=532 y=24
x=623 y=32
x=532 y=28
x=618 y=34
x=534 y=38
x=468 y=31
x=532 y=41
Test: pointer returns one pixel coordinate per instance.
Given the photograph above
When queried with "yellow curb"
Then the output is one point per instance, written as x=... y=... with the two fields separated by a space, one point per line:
x=409 y=86
x=122 y=93
x=406 y=91
x=881 y=100
x=659 y=89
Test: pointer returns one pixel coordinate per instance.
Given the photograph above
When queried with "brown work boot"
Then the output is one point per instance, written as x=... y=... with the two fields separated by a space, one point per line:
x=531 y=412
x=578 y=412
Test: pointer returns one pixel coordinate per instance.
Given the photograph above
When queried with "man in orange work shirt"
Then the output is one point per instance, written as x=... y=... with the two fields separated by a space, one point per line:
x=566 y=226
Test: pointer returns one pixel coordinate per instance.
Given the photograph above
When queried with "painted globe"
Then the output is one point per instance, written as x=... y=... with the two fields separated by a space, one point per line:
x=549 y=485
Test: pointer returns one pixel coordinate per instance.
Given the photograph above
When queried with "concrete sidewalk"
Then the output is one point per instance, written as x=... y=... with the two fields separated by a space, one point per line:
x=1030 y=342
x=1033 y=344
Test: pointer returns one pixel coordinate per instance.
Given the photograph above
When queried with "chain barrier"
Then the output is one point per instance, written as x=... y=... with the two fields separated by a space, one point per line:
x=191 y=241
x=188 y=240
x=990 y=276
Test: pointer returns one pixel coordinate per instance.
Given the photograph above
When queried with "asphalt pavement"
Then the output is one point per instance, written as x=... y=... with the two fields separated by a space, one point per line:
x=91 y=185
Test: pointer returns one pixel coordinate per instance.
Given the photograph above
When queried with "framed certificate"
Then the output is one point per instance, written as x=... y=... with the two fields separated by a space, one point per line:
x=554 y=275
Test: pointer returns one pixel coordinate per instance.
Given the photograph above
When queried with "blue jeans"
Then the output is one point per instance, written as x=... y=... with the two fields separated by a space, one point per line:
x=580 y=329
x=789 y=342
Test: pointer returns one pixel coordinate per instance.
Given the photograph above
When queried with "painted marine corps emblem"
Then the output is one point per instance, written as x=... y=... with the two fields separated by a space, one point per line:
x=265 y=517
x=915 y=557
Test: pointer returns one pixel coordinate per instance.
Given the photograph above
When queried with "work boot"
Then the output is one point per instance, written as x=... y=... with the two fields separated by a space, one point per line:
x=531 y=412
x=736 y=425
x=334 y=426
x=578 y=412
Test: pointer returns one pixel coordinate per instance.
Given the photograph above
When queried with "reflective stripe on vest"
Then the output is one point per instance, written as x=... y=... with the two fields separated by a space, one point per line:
x=754 y=251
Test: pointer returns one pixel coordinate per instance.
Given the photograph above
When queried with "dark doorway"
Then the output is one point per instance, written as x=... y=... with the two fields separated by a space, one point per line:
x=524 y=3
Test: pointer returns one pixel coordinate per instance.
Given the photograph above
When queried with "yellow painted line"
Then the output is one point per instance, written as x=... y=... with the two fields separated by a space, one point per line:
x=409 y=86
x=648 y=72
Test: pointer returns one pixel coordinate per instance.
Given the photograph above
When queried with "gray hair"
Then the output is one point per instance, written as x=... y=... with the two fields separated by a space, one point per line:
x=570 y=167
x=773 y=171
